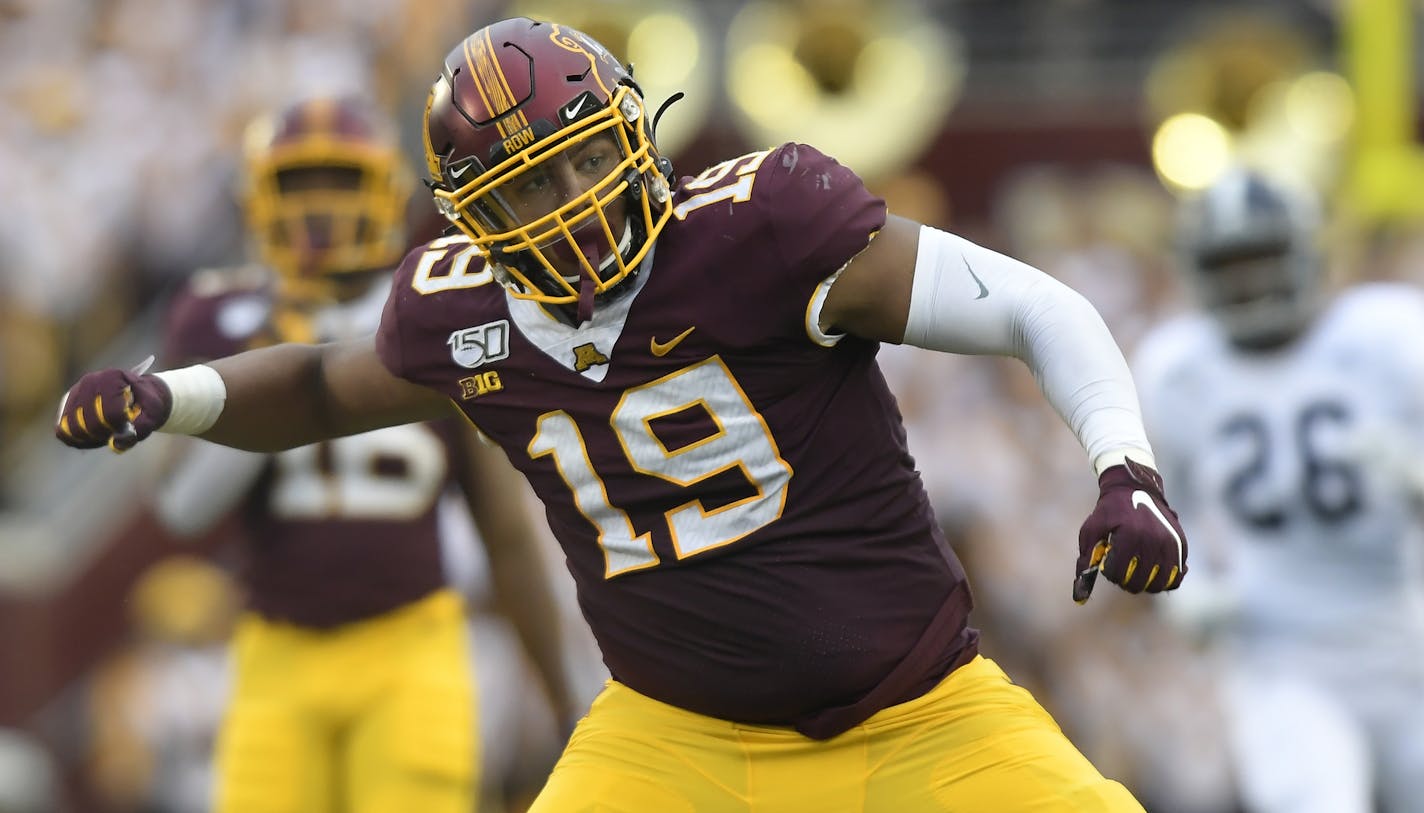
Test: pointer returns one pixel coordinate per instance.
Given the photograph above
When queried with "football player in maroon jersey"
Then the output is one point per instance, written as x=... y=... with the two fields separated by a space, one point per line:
x=684 y=370
x=353 y=678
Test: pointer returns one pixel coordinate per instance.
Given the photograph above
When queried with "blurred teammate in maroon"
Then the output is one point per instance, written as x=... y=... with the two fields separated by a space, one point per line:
x=353 y=684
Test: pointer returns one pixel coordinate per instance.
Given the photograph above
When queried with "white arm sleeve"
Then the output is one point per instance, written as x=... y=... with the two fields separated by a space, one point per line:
x=968 y=299
x=208 y=482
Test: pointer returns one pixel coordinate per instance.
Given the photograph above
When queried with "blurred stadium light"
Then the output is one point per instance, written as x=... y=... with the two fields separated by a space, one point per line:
x=1247 y=86
x=869 y=82
x=669 y=43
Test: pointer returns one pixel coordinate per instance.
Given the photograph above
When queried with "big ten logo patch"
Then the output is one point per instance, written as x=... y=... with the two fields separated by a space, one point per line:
x=480 y=384
x=481 y=344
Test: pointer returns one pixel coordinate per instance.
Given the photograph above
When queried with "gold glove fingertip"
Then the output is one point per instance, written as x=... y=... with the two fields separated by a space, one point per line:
x=99 y=412
x=1131 y=568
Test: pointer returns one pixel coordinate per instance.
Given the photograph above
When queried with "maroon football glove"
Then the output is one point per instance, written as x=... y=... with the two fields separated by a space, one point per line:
x=1132 y=536
x=113 y=407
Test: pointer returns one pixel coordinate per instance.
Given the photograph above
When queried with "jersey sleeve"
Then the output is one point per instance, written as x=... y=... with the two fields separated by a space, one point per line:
x=201 y=326
x=806 y=217
x=388 y=335
x=819 y=213
x=396 y=317
x=441 y=288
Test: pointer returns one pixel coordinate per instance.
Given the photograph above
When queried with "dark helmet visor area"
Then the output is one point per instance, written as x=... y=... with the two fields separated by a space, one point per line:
x=297 y=180
x=546 y=180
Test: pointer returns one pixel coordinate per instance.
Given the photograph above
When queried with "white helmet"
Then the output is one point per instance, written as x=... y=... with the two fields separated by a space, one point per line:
x=1248 y=246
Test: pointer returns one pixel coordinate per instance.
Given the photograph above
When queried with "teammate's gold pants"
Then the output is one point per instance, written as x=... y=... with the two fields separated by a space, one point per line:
x=373 y=717
x=976 y=743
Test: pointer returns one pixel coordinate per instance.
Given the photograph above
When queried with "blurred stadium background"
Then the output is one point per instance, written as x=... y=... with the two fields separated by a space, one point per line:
x=1054 y=130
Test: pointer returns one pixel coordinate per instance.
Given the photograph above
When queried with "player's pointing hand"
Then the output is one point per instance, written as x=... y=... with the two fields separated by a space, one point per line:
x=115 y=408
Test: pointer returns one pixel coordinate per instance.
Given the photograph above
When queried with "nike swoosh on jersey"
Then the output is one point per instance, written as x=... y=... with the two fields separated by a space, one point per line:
x=1139 y=499
x=983 y=291
x=663 y=348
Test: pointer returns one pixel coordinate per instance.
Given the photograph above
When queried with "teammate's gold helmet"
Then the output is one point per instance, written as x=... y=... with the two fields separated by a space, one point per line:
x=325 y=193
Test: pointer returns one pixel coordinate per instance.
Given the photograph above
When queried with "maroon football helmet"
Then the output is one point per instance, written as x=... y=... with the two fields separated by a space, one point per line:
x=540 y=150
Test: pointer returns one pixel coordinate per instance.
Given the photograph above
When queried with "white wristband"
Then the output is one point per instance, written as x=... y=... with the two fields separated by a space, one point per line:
x=198 y=397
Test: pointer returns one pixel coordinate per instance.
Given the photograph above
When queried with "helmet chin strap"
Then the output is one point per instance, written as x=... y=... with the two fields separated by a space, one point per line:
x=587 y=282
x=585 y=305
x=586 y=291
x=586 y=285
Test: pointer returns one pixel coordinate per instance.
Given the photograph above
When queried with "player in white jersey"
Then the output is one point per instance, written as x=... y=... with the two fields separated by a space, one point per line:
x=1289 y=427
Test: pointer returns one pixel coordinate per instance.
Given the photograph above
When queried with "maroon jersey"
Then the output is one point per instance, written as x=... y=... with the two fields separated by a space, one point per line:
x=731 y=488
x=336 y=531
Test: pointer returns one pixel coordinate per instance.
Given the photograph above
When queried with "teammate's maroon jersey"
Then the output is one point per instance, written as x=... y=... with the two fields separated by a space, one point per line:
x=731 y=488
x=336 y=531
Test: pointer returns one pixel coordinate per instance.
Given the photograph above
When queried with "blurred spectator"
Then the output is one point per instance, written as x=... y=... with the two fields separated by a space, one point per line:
x=155 y=705
x=28 y=782
x=116 y=165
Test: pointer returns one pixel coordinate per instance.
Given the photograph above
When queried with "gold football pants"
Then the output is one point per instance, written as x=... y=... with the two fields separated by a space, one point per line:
x=372 y=717
x=976 y=743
